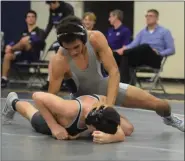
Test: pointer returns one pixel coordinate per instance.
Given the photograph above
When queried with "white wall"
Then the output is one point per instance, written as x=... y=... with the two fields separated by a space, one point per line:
x=43 y=14
x=171 y=17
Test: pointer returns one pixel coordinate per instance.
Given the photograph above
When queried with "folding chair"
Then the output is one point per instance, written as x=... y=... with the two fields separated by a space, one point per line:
x=155 y=80
x=36 y=74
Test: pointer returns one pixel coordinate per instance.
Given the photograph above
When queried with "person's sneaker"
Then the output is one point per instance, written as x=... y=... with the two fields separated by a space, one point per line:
x=4 y=83
x=8 y=111
x=45 y=87
x=174 y=121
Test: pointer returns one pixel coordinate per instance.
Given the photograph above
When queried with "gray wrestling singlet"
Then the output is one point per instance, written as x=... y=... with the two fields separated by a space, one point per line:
x=91 y=81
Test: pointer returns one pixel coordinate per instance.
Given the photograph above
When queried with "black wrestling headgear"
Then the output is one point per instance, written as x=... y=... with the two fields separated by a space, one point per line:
x=104 y=119
x=69 y=29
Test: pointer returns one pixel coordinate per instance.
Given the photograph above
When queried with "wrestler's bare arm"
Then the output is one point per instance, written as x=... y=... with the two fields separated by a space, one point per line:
x=102 y=138
x=105 y=55
x=57 y=72
x=118 y=136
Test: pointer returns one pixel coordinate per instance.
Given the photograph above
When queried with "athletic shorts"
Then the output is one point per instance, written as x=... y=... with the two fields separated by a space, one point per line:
x=103 y=91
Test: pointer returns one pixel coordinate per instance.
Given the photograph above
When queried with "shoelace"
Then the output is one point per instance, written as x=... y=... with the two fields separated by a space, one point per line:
x=176 y=120
x=9 y=114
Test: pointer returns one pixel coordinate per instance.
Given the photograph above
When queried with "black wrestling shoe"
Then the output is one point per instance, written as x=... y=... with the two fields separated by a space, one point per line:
x=4 y=83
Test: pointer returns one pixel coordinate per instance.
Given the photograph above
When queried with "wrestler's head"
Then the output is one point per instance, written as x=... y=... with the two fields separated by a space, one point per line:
x=72 y=35
x=105 y=119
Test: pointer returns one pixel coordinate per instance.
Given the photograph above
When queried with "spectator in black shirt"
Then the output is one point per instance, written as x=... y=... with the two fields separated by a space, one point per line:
x=57 y=11
x=27 y=49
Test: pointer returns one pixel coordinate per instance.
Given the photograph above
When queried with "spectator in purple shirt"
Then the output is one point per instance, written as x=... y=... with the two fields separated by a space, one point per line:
x=119 y=35
x=148 y=48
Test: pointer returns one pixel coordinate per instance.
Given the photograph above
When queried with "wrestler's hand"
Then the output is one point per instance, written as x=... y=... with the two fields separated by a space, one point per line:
x=59 y=132
x=101 y=137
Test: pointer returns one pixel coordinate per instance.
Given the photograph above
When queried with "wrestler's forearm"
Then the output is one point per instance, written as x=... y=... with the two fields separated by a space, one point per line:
x=54 y=86
x=48 y=117
x=113 y=86
x=118 y=137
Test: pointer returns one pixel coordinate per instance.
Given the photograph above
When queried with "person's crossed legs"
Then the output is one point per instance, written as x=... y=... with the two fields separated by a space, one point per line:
x=22 y=45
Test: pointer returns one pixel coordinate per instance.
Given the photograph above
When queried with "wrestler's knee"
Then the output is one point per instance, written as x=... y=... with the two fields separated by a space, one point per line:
x=37 y=96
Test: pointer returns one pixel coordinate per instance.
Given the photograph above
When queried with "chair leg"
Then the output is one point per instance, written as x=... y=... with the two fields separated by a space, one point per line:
x=156 y=78
x=139 y=82
x=162 y=87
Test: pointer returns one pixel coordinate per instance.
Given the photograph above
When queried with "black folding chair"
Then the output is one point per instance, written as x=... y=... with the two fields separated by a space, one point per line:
x=30 y=78
x=155 y=80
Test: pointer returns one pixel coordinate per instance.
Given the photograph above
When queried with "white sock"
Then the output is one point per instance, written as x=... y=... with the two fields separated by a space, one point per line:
x=5 y=78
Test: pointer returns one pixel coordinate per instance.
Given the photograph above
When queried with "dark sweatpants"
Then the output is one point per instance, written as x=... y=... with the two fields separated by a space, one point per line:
x=138 y=56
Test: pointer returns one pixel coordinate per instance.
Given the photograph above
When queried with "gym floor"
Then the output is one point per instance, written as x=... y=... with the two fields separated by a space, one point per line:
x=151 y=140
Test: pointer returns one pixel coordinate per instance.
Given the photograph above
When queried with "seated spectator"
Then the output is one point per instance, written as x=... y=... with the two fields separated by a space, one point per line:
x=119 y=35
x=27 y=49
x=148 y=48
x=89 y=20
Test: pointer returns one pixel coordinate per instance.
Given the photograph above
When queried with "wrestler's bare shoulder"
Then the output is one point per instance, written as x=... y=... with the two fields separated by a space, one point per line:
x=95 y=35
x=59 y=57
x=97 y=40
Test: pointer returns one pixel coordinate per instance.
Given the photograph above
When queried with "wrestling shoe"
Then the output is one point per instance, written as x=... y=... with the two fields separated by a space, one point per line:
x=8 y=111
x=174 y=121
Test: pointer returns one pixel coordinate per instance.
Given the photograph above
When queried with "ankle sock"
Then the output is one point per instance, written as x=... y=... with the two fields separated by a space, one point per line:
x=14 y=104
